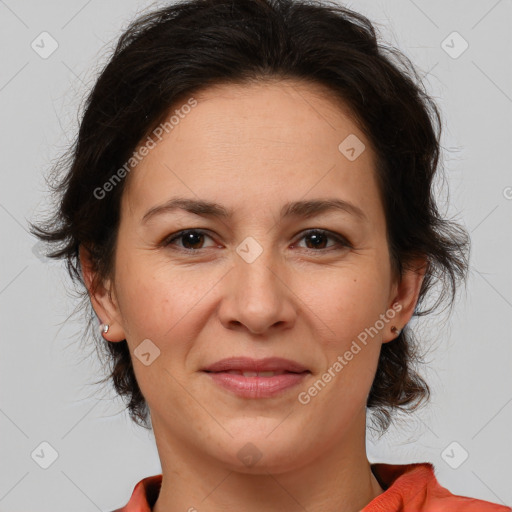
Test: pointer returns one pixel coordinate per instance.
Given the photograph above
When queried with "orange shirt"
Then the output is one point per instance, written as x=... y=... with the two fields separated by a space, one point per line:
x=407 y=488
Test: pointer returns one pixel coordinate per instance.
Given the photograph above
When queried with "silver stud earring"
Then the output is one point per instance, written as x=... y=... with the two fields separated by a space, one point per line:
x=104 y=328
x=396 y=331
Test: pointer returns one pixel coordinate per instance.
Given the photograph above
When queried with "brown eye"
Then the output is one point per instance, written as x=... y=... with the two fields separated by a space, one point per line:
x=319 y=237
x=191 y=239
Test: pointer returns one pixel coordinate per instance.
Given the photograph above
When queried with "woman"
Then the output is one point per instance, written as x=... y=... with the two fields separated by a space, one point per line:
x=250 y=209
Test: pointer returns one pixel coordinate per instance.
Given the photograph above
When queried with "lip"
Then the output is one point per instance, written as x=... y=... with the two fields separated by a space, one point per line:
x=256 y=386
x=247 y=364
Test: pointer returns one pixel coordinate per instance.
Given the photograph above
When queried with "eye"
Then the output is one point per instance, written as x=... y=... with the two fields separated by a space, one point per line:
x=191 y=238
x=318 y=238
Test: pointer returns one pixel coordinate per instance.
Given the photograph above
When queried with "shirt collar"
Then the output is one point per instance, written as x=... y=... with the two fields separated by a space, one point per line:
x=407 y=488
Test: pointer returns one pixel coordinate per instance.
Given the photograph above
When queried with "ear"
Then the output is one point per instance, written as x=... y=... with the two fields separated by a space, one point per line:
x=102 y=296
x=404 y=296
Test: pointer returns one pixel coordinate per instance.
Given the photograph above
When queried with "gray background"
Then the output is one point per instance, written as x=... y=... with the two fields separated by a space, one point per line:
x=46 y=386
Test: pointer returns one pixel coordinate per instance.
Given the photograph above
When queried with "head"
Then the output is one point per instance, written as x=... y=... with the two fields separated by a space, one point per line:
x=250 y=116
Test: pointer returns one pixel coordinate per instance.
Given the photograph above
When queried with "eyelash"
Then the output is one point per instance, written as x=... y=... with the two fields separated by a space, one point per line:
x=342 y=241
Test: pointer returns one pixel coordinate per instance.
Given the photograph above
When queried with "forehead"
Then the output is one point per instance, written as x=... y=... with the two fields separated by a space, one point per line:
x=262 y=141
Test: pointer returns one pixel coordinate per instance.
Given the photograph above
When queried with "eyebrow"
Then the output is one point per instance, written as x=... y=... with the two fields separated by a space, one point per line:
x=292 y=209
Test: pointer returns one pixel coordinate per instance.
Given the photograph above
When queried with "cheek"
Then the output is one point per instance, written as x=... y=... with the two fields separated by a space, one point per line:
x=346 y=311
x=150 y=302
x=347 y=304
x=157 y=304
x=165 y=303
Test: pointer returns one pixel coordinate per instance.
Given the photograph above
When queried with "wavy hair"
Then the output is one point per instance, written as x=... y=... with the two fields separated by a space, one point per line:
x=171 y=53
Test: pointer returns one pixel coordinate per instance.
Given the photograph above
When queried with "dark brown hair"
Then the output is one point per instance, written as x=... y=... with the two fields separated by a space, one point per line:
x=178 y=50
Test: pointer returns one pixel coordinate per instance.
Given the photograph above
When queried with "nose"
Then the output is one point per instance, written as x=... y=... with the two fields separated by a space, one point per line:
x=258 y=296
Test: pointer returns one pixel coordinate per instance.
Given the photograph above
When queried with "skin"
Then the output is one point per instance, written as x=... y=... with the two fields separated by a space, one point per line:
x=253 y=148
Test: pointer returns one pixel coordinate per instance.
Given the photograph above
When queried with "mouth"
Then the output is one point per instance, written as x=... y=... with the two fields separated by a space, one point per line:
x=252 y=378
x=258 y=374
x=247 y=365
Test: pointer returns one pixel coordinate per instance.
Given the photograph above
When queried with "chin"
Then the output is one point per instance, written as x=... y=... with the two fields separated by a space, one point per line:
x=267 y=450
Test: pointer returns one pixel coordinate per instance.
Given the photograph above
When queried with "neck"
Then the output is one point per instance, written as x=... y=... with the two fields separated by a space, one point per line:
x=339 y=480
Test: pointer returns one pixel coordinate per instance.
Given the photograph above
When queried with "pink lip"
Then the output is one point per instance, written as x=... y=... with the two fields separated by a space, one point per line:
x=257 y=387
x=247 y=364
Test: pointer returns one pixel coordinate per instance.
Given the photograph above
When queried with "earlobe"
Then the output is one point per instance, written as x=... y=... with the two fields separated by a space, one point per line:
x=101 y=298
x=114 y=336
x=395 y=330
x=104 y=328
x=406 y=296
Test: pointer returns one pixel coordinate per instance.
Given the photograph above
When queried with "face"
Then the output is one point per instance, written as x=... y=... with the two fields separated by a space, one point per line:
x=275 y=277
